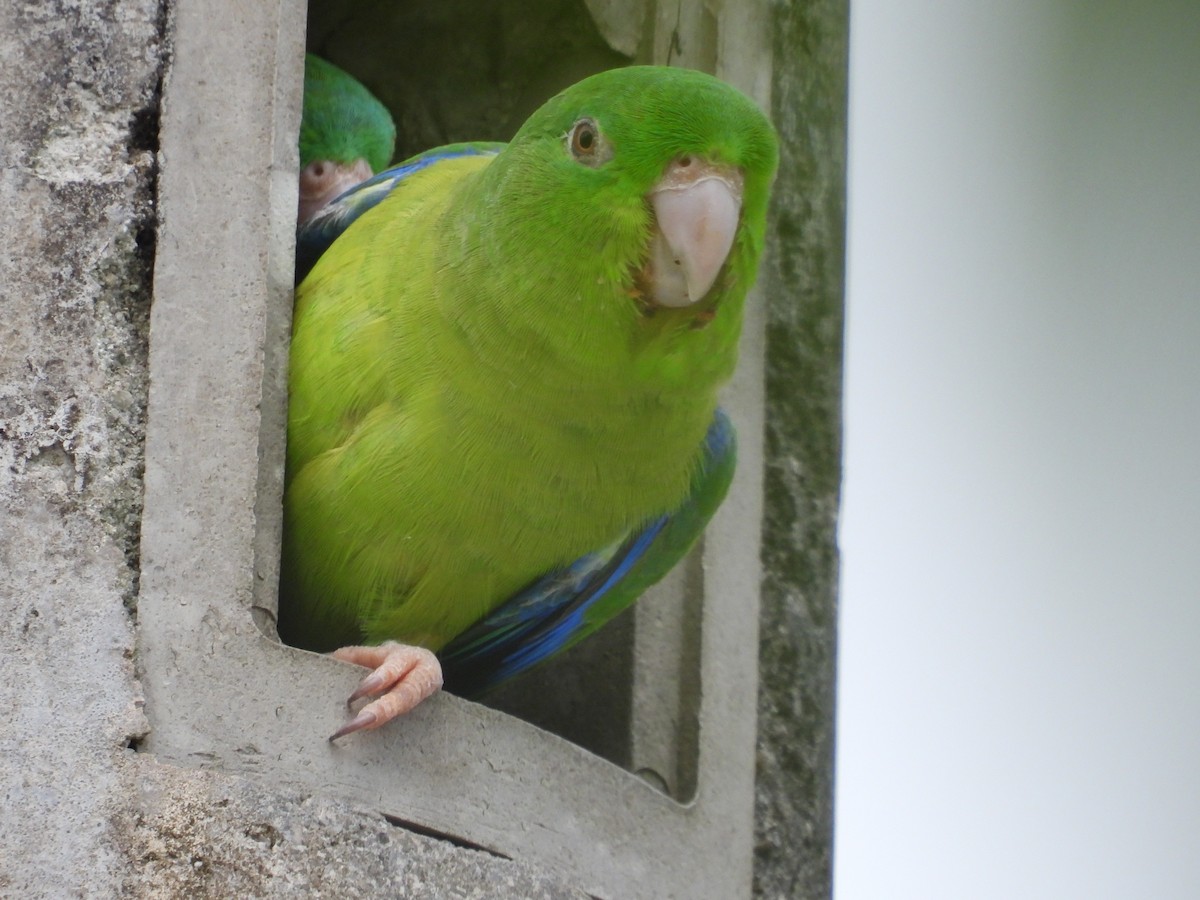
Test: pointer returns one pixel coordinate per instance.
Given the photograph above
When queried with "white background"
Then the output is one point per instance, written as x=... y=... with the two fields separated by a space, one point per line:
x=1019 y=706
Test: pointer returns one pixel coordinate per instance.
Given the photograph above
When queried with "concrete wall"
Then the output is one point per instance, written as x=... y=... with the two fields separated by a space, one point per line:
x=77 y=126
x=83 y=812
x=804 y=281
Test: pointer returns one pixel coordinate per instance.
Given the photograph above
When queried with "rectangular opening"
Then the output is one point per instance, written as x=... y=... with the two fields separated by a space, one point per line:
x=678 y=674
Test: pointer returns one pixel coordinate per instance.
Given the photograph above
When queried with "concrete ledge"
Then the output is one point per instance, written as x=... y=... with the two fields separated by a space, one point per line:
x=222 y=693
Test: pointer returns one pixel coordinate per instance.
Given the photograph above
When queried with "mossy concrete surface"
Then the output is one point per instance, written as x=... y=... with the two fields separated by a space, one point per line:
x=804 y=280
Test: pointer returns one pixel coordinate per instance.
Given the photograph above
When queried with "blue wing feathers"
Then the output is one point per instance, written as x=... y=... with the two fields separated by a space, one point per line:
x=565 y=606
x=541 y=620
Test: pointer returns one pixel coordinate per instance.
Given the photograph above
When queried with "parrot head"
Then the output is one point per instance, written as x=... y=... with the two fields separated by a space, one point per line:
x=346 y=135
x=658 y=177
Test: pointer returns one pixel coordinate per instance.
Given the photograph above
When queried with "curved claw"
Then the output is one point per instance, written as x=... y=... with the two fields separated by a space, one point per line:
x=402 y=676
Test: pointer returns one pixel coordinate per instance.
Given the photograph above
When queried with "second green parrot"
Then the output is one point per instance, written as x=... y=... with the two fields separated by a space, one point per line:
x=346 y=135
x=503 y=421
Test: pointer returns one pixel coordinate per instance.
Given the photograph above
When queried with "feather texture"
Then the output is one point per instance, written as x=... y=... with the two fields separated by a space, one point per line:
x=565 y=606
x=341 y=119
x=316 y=235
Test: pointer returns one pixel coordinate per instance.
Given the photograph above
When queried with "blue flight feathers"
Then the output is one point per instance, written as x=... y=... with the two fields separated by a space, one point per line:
x=564 y=606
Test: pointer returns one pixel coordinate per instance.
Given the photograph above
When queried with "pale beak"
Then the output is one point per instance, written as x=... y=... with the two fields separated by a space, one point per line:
x=696 y=205
x=322 y=182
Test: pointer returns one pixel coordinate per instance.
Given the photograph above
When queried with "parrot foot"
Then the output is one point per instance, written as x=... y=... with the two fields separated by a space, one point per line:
x=403 y=676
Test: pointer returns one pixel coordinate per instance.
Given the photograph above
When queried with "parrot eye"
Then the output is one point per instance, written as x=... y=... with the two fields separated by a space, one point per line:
x=586 y=144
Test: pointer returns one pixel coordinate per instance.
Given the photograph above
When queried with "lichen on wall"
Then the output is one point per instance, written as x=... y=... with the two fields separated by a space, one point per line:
x=77 y=181
x=804 y=280
x=77 y=97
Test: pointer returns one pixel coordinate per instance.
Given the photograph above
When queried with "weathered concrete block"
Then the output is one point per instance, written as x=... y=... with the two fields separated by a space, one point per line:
x=204 y=834
x=77 y=89
x=211 y=524
x=804 y=279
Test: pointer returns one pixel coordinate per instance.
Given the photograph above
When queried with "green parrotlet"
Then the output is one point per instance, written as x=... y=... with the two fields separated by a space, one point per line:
x=503 y=419
x=346 y=135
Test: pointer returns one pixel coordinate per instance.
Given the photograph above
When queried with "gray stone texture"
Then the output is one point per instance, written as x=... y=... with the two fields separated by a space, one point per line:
x=77 y=100
x=804 y=279
x=203 y=834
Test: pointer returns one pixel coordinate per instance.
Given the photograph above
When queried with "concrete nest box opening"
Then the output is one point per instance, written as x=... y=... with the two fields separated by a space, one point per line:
x=627 y=764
